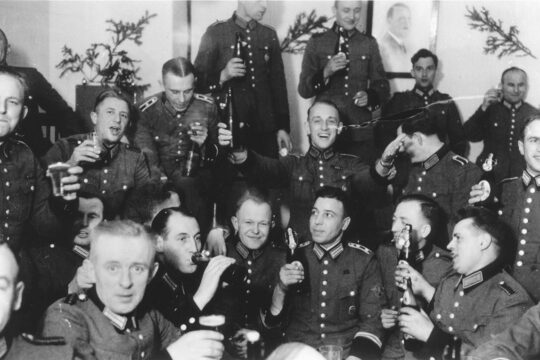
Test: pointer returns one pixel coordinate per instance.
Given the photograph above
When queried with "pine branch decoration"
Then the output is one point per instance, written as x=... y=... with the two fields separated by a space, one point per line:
x=299 y=33
x=500 y=42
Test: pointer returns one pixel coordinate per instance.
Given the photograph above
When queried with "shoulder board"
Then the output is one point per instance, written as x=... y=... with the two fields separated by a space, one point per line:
x=217 y=22
x=73 y=298
x=350 y=156
x=38 y=340
x=460 y=160
x=205 y=98
x=131 y=147
x=268 y=27
x=509 y=180
x=442 y=255
x=304 y=244
x=360 y=247
x=148 y=103
x=506 y=288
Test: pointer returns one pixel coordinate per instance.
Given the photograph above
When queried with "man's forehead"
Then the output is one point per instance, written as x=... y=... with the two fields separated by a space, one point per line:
x=348 y=4
x=328 y=204
x=425 y=61
x=8 y=264
x=86 y=204
x=323 y=111
x=122 y=248
x=533 y=129
x=249 y=208
x=11 y=86
x=515 y=75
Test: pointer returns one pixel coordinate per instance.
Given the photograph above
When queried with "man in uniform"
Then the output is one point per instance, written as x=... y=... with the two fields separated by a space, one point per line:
x=40 y=94
x=173 y=124
x=498 y=121
x=395 y=49
x=445 y=112
x=518 y=203
x=435 y=171
x=478 y=300
x=428 y=222
x=257 y=80
x=179 y=291
x=354 y=79
x=345 y=297
x=112 y=169
x=111 y=321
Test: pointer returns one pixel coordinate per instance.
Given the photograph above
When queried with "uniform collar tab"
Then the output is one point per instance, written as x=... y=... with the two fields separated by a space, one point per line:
x=245 y=252
x=470 y=281
x=251 y=24
x=321 y=154
x=340 y=29
x=435 y=158
x=81 y=251
x=424 y=92
x=512 y=106
x=333 y=249
x=120 y=322
x=527 y=178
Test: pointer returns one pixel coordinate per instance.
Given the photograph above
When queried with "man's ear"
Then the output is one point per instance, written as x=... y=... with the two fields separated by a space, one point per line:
x=485 y=241
x=19 y=289
x=345 y=224
x=234 y=221
x=153 y=272
x=418 y=137
x=159 y=244
x=24 y=112
x=425 y=230
x=520 y=147
x=93 y=117
x=306 y=126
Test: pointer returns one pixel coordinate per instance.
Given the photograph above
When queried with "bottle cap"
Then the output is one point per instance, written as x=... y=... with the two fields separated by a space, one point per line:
x=252 y=336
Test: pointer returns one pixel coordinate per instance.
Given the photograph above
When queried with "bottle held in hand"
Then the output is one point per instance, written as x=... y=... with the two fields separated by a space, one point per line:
x=234 y=274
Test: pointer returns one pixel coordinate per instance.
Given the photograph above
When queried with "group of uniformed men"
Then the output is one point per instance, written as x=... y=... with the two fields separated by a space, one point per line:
x=131 y=288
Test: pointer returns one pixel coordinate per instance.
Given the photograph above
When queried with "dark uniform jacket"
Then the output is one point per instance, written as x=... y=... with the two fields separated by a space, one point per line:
x=519 y=207
x=42 y=95
x=519 y=342
x=499 y=126
x=119 y=170
x=260 y=97
x=364 y=73
x=30 y=347
x=440 y=105
x=171 y=293
x=475 y=308
x=431 y=261
x=96 y=333
x=304 y=175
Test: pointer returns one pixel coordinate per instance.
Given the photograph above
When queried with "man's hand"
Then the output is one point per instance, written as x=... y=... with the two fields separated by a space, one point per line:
x=198 y=133
x=360 y=99
x=291 y=274
x=336 y=63
x=71 y=184
x=86 y=151
x=239 y=343
x=479 y=192
x=392 y=150
x=420 y=286
x=195 y=345
x=491 y=96
x=283 y=141
x=415 y=323
x=210 y=280
x=389 y=318
x=84 y=278
x=215 y=241
x=234 y=68
x=224 y=135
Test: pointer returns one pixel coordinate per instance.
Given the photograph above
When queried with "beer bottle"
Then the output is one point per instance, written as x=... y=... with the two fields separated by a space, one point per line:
x=294 y=257
x=452 y=351
x=234 y=274
x=238 y=51
x=233 y=122
x=255 y=345
x=342 y=46
x=193 y=160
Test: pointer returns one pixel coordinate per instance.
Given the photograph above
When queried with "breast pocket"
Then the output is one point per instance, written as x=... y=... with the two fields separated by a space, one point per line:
x=20 y=194
x=360 y=65
x=342 y=179
x=302 y=186
x=348 y=306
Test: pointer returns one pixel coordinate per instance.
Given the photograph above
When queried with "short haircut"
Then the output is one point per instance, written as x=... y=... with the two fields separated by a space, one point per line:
x=20 y=78
x=510 y=69
x=159 y=224
x=17 y=278
x=487 y=221
x=330 y=192
x=143 y=201
x=323 y=101
x=114 y=93
x=433 y=213
x=424 y=53
x=390 y=12
x=178 y=66
x=255 y=194
x=124 y=228
x=424 y=123
x=526 y=123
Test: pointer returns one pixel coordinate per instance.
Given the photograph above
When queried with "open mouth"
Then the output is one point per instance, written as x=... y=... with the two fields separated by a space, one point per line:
x=83 y=234
x=115 y=130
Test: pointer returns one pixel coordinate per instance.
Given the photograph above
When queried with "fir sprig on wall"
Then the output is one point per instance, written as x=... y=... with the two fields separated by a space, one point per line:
x=299 y=33
x=499 y=42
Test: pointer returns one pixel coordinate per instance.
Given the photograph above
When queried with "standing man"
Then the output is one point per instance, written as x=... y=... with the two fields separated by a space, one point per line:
x=40 y=95
x=171 y=125
x=257 y=80
x=354 y=79
x=444 y=110
x=498 y=121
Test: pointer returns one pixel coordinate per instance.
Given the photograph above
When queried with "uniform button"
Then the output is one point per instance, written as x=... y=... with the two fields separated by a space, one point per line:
x=322 y=325
x=249 y=262
x=500 y=212
x=249 y=271
x=252 y=85
x=142 y=354
x=321 y=184
x=325 y=262
x=451 y=316
x=7 y=197
x=461 y=293
x=249 y=38
x=191 y=320
x=352 y=293
x=324 y=282
x=519 y=263
x=346 y=77
x=320 y=162
x=321 y=168
x=5 y=170
x=346 y=93
x=323 y=304
x=7 y=183
x=323 y=316
x=300 y=178
x=248 y=291
x=437 y=255
x=321 y=176
x=419 y=188
x=323 y=293
x=124 y=187
x=179 y=152
x=456 y=304
x=248 y=281
x=424 y=172
x=532 y=190
x=85 y=181
x=6 y=225
x=434 y=195
x=51 y=246
x=325 y=272
x=450 y=329
x=106 y=171
x=156 y=138
x=524 y=231
x=103 y=191
x=522 y=242
x=7 y=212
x=141 y=337
x=521 y=252
x=323 y=336
x=253 y=78
x=525 y=220
x=529 y=200
x=419 y=179
x=105 y=181
x=475 y=327
x=527 y=210
x=346 y=85
x=438 y=316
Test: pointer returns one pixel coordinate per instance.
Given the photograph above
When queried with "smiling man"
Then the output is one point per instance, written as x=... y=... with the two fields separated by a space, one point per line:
x=112 y=169
x=498 y=121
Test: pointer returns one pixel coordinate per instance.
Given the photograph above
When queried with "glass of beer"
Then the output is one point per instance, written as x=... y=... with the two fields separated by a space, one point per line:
x=56 y=172
x=212 y=322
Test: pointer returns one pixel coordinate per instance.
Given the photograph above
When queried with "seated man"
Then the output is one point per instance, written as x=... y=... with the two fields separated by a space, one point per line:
x=111 y=322
x=178 y=291
x=111 y=168
x=148 y=200
x=478 y=300
x=427 y=222
x=25 y=346
x=345 y=298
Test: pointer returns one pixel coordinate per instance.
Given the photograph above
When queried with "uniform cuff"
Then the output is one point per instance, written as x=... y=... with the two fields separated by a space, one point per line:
x=366 y=346
x=374 y=102
x=162 y=355
x=318 y=82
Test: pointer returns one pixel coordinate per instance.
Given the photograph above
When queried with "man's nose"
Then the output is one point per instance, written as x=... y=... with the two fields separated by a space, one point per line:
x=126 y=282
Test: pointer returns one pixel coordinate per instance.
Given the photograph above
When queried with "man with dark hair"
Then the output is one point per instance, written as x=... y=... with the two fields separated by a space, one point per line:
x=257 y=81
x=395 y=47
x=342 y=301
x=436 y=171
x=498 y=120
x=354 y=78
x=40 y=95
x=428 y=228
x=477 y=301
x=174 y=124
x=518 y=203
x=424 y=95
x=149 y=200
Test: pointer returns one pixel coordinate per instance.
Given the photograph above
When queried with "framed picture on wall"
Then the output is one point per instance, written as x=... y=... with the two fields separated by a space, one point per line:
x=401 y=29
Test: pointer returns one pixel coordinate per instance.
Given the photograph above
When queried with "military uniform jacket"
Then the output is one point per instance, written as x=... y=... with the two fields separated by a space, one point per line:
x=499 y=126
x=431 y=261
x=442 y=107
x=475 y=307
x=260 y=97
x=29 y=347
x=162 y=133
x=96 y=333
x=520 y=208
x=119 y=170
x=365 y=73
x=304 y=175
x=344 y=301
